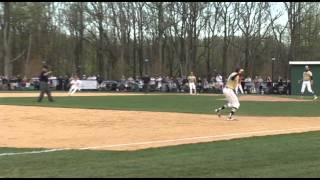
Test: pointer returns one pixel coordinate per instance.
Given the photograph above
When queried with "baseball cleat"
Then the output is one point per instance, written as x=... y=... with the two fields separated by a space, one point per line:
x=218 y=112
x=231 y=119
x=315 y=98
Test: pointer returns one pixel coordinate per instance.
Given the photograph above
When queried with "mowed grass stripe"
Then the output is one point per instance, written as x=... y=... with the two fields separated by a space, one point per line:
x=169 y=103
x=294 y=155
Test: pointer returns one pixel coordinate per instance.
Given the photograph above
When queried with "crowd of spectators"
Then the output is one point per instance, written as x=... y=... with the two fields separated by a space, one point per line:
x=256 y=85
x=57 y=83
x=215 y=84
x=15 y=83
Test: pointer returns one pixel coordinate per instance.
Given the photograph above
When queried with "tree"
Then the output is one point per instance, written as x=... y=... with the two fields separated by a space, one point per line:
x=76 y=23
x=7 y=39
x=254 y=25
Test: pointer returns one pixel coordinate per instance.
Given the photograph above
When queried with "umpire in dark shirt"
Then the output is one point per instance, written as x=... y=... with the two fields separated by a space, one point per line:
x=44 y=86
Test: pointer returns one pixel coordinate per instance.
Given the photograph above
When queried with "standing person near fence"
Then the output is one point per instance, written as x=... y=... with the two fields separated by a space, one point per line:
x=192 y=83
x=146 y=81
x=269 y=84
x=44 y=84
x=307 y=79
x=75 y=85
x=219 y=80
x=199 y=85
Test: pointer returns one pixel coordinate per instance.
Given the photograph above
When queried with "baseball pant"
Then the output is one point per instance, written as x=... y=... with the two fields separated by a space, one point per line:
x=239 y=87
x=192 y=86
x=44 y=88
x=306 y=84
x=73 y=89
x=233 y=101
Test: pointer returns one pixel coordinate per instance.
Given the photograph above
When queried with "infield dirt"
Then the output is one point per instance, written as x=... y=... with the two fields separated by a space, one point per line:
x=42 y=127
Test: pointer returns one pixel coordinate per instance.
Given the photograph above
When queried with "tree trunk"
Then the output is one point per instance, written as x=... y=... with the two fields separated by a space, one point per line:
x=225 y=48
x=79 y=46
x=134 y=45
x=28 y=56
x=208 y=58
x=160 y=30
x=246 y=54
x=7 y=40
x=140 y=54
x=100 y=53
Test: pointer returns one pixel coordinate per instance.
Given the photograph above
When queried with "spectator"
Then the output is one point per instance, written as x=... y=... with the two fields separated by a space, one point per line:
x=152 y=83
x=248 y=85
x=66 y=83
x=260 y=84
x=140 y=84
x=219 y=81
x=288 y=87
x=280 y=85
x=123 y=79
x=280 y=81
x=99 y=79
x=159 y=83
x=269 y=80
x=256 y=84
x=205 y=85
x=23 y=83
x=60 y=83
x=18 y=82
x=5 y=82
x=146 y=81
x=199 y=85
x=242 y=83
x=269 y=84
x=178 y=81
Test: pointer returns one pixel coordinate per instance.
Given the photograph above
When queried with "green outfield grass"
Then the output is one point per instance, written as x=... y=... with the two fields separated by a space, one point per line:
x=295 y=155
x=172 y=103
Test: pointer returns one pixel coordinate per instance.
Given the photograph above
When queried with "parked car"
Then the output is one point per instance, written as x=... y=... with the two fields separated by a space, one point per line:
x=109 y=85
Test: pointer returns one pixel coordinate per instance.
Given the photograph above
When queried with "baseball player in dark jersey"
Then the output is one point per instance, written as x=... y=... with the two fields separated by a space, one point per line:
x=44 y=86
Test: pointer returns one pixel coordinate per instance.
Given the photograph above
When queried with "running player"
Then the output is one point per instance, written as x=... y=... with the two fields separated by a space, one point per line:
x=228 y=91
x=75 y=85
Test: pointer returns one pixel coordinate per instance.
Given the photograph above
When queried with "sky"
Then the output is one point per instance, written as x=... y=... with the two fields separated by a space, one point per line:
x=278 y=7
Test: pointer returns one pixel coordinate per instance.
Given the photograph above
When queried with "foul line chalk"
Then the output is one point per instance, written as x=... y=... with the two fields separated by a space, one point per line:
x=155 y=142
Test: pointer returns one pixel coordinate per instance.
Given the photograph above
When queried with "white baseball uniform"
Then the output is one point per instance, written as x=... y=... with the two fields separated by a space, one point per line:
x=228 y=91
x=75 y=85
x=307 y=75
x=239 y=87
x=192 y=85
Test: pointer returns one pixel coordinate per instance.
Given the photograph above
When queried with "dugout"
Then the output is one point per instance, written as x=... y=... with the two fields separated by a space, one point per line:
x=297 y=68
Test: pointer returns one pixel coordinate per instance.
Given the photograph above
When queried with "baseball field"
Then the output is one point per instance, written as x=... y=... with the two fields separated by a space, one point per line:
x=157 y=135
